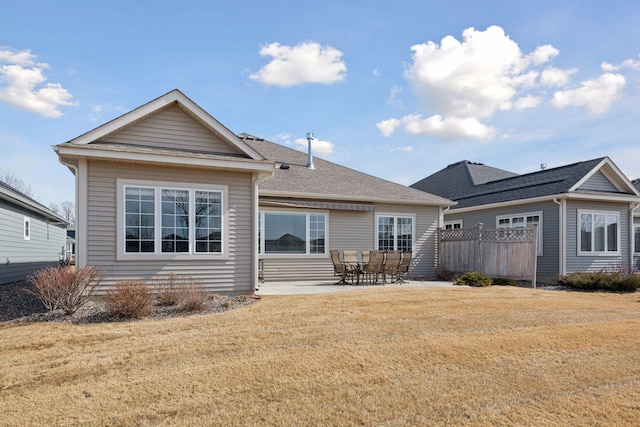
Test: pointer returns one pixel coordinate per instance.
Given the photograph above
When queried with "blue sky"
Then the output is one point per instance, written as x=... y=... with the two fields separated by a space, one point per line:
x=396 y=89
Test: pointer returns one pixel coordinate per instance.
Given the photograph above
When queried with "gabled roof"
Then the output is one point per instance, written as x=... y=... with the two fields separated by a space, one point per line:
x=330 y=181
x=459 y=178
x=152 y=107
x=99 y=144
x=558 y=181
x=18 y=198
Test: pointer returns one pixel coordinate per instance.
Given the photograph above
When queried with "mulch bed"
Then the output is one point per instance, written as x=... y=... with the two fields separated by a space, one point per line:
x=18 y=305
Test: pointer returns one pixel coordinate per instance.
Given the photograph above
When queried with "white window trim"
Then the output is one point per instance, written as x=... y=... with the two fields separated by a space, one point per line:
x=307 y=232
x=579 y=234
x=395 y=216
x=540 y=249
x=26 y=228
x=453 y=224
x=158 y=186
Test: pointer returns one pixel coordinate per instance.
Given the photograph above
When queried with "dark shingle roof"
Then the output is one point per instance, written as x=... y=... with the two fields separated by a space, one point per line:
x=329 y=180
x=537 y=184
x=460 y=178
x=636 y=182
x=7 y=192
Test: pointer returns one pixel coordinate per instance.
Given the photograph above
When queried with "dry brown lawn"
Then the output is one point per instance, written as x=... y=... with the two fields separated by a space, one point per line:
x=393 y=357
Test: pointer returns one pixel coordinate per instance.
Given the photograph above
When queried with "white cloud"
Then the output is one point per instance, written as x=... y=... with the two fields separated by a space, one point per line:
x=308 y=62
x=393 y=97
x=405 y=149
x=596 y=95
x=634 y=64
x=555 y=77
x=23 y=85
x=450 y=128
x=527 y=101
x=317 y=146
x=464 y=82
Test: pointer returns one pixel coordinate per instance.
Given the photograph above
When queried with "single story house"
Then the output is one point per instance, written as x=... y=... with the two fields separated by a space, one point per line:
x=586 y=212
x=167 y=188
x=32 y=236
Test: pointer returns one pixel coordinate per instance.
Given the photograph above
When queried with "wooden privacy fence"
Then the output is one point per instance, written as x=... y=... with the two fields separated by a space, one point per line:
x=504 y=252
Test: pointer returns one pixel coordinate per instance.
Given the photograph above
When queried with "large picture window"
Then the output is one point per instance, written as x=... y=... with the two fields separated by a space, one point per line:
x=162 y=220
x=394 y=232
x=522 y=221
x=636 y=239
x=598 y=232
x=301 y=233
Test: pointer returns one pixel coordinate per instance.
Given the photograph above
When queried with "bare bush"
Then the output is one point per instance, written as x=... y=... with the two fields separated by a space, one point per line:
x=66 y=288
x=130 y=299
x=184 y=291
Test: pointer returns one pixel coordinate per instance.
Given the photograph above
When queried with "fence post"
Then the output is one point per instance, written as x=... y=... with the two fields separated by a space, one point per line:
x=477 y=256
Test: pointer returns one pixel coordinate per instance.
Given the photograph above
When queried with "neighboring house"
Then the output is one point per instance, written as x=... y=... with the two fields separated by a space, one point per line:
x=636 y=230
x=167 y=188
x=584 y=211
x=32 y=236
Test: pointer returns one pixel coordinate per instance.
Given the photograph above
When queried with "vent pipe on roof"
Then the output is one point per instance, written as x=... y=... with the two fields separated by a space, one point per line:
x=309 y=156
x=543 y=166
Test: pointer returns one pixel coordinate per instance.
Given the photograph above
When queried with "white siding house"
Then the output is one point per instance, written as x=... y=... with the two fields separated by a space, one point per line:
x=31 y=236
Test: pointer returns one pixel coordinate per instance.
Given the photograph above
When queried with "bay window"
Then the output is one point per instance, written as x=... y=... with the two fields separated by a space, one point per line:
x=598 y=232
x=162 y=220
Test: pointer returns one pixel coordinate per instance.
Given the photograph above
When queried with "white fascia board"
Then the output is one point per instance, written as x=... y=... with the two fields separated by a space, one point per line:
x=317 y=196
x=505 y=204
x=611 y=171
x=250 y=165
x=601 y=197
x=27 y=204
x=156 y=105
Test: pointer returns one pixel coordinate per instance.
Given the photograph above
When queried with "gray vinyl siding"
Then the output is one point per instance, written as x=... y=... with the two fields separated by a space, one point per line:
x=355 y=230
x=20 y=258
x=548 y=263
x=172 y=128
x=597 y=262
x=232 y=273
x=598 y=182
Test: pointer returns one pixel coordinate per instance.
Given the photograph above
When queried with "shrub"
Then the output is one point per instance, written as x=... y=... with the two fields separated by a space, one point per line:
x=613 y=281
x=503 y=281
x=184 y=291
x=130 y=299
x=473 y=278
x=443 y=274
x=66 y=288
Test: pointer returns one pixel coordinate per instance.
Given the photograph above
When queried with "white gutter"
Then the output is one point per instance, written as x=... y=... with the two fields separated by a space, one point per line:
x=81 y=215
x=562 y=234
x=257 y=179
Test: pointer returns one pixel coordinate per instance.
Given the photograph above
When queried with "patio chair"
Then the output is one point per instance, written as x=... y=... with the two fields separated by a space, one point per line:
x=340 y=269
x=351 y=262
x=403 y=267
x=375 y=266
x=391 y=264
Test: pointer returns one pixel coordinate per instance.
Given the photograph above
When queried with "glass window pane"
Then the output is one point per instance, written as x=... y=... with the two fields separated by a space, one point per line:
x=285 y=233
x=637 y=239
x=208 y=221
x=585 y=232
x=175 y=220
x=317 y=233
x=139 y=210
x=598 y=233
x=386 y=237
x=612 y=233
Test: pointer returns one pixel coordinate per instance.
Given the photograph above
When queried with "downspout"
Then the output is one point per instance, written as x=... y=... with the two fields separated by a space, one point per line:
x=632 y=207
x=562 y=234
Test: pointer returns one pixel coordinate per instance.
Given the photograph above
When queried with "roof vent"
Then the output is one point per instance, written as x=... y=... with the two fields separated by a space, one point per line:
x=284 y=166
x=543 y=166
x=309 y=155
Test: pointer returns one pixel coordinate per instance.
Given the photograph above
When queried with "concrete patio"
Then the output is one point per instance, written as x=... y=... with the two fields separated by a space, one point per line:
x=324 y=286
